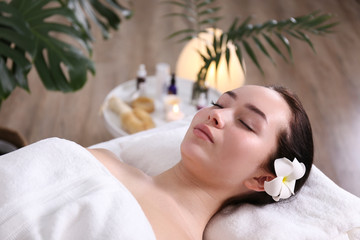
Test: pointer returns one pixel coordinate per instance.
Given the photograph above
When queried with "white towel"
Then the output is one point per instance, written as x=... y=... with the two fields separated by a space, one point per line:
x=55 y=189
x=321 y=210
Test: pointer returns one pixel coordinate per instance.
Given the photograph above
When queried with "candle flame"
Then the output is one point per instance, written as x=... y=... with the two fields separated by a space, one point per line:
x=176 y=108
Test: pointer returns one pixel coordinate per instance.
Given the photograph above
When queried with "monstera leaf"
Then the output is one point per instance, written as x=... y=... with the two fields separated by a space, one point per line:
x=32 y=33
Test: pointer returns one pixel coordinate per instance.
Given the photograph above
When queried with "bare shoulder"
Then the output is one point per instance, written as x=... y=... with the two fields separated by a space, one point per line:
x=122 y=171
x=159 y=208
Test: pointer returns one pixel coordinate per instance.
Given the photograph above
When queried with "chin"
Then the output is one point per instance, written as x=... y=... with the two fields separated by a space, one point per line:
x=193 y=153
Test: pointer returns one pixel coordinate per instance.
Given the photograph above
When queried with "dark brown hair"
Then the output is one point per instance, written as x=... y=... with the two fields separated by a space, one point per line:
x=296 y=141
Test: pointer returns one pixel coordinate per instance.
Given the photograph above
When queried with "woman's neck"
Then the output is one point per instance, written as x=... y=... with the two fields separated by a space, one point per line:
x=197 y=203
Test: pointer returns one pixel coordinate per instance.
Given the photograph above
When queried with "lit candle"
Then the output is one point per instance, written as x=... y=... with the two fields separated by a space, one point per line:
x=174 y=113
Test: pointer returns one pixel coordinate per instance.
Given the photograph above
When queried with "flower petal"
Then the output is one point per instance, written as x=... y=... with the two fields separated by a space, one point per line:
x=285 y=192
x=283 y=167
x=277 y=198
x=290 y=185
x=298 y=170
x=273 y=187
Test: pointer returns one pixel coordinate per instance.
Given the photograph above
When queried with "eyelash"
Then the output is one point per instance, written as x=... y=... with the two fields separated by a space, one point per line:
x=241 y=121
x=216 y=104
x=246 y=126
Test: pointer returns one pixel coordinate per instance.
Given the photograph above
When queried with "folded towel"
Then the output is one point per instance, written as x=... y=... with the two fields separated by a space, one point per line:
x=321 y=210
x=55 y=189
x=153 y=151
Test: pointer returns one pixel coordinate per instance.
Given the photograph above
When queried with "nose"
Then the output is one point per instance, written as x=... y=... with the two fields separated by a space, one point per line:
x=216 y=119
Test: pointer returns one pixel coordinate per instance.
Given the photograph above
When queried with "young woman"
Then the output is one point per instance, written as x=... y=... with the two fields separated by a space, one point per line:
x=228 y=156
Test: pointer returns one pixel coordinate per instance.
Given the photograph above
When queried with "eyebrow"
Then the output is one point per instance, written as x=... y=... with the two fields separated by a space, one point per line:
x=256 y=110
x=249 y=106
x=231 y=94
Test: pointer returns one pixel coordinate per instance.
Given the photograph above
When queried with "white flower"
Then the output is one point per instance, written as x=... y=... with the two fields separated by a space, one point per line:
x=287 y=173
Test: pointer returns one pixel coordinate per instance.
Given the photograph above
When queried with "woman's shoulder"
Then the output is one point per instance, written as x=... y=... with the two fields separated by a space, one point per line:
x=160 y=209
x=125 y=173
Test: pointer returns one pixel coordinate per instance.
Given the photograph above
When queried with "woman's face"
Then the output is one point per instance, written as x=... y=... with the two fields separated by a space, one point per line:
x=228 y=142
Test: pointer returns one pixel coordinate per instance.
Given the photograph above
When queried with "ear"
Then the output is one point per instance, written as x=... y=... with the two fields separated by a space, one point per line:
x=257 y=183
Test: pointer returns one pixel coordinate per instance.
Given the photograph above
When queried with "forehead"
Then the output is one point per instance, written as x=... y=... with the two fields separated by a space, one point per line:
x=267 y=100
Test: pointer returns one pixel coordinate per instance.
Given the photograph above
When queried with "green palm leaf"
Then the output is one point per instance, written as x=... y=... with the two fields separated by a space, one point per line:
x=262 y=48
x=199 y=15
x=274 y=46
x=271 y=32
x=286 y=42
x=252 y=55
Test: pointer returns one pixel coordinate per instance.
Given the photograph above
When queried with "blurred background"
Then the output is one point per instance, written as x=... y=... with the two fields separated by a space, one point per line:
x=328 y=82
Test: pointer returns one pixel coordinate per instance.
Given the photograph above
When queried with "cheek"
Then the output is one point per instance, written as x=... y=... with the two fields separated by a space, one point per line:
x=239 y=144
x=243 y=152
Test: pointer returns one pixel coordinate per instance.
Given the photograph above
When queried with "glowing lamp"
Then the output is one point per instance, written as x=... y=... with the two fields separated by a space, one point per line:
x=190 y=62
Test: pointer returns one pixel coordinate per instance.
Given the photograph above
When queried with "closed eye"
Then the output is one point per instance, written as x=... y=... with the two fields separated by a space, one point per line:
x=216 y=104
x=246 y=126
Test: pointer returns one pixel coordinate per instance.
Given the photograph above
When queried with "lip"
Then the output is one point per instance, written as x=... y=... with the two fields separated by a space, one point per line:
x=202 y=131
